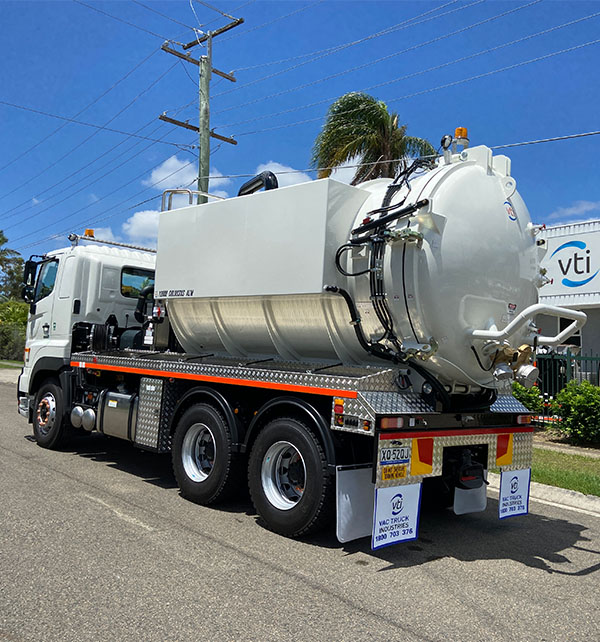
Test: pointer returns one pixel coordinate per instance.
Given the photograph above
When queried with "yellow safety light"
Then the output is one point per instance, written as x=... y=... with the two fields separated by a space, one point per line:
x=461 y=132
x=89 y=233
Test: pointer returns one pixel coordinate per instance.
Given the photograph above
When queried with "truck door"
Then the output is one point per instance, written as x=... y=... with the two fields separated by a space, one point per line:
x=39 y=324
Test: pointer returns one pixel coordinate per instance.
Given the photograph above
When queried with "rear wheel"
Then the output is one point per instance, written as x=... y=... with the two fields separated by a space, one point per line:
x=49 y=428
x=289 y=479
x=203 y=461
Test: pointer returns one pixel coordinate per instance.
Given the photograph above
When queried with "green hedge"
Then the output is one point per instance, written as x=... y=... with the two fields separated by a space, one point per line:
x=578 y=406
x=531 y=398
x=13 y=321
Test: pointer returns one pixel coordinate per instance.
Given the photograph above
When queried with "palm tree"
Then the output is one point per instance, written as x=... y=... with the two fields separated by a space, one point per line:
x=360 y=127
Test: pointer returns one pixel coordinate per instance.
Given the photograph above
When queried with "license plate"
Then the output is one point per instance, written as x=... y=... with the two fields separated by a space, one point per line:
x=397 y=455
x=390 y=473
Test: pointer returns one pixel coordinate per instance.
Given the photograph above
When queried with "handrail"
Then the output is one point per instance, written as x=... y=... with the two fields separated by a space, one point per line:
x=190 y=192
x=579 y=319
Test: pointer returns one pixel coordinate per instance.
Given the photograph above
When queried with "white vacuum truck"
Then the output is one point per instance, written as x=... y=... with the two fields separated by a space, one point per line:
x=339 y=349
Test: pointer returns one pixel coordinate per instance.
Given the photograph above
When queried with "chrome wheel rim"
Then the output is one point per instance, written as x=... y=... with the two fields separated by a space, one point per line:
x=46 y=413
x=283 y=475
x=198 y=452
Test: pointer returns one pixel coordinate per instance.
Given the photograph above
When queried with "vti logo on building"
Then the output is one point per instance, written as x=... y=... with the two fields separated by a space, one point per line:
x=575 y=262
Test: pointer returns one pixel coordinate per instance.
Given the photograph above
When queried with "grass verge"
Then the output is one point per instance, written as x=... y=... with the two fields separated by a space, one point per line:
x=10 y=365
x=574 y=472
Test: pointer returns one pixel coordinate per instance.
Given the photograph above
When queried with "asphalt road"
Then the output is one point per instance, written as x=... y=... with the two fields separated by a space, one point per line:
x=97 y=544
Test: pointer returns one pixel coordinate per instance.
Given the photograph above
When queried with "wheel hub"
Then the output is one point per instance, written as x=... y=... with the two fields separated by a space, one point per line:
x=46 y=413
x=198 y=452
x=283 y=475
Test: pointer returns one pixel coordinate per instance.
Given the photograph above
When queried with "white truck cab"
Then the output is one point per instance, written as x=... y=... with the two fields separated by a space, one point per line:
x=72 y=292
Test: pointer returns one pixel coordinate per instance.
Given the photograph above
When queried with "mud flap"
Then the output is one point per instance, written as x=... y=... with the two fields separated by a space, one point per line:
x=355 y=492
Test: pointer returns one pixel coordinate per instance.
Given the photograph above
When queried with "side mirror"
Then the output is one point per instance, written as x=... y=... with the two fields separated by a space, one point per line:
x=28 y=293
x=29 y=272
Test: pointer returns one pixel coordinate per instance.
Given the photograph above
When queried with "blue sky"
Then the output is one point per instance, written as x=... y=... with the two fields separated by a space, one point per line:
x=432 y=65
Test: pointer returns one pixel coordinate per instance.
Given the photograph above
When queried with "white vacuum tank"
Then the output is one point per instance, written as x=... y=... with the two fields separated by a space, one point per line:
x=247 y=276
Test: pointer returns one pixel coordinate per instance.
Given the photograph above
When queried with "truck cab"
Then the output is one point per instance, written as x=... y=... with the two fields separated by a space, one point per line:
x=77 y=295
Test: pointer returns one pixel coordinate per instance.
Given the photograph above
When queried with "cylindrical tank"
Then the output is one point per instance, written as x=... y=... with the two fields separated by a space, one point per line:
x=246 y=276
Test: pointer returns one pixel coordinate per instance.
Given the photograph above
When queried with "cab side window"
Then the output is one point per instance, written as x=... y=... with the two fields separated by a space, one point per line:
x=46 y=280
x=134 y=280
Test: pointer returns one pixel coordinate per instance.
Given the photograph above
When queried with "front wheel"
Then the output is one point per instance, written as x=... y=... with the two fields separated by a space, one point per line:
x=49 y=427
x=203 y=462
x=289 y=479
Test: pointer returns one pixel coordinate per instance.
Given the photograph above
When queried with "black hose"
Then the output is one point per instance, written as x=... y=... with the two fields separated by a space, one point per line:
x=380 y=222
x=338 y=256
x=141 y=303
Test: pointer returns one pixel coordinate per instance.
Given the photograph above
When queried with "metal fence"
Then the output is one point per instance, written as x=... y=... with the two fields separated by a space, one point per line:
x=556 y=370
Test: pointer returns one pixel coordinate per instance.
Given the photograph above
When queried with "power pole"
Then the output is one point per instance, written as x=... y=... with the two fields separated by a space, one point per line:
x=204 y=120
x=204 y=132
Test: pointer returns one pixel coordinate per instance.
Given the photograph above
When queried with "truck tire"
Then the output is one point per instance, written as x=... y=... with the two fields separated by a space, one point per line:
x=49 y=427
x=290 y=483
x=203 y=462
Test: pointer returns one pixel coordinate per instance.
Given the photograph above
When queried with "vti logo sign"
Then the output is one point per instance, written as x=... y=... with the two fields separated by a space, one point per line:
x=574 y=263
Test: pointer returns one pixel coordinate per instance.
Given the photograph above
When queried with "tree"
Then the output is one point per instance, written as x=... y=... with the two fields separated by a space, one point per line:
x=360 y=127
x=11 y=271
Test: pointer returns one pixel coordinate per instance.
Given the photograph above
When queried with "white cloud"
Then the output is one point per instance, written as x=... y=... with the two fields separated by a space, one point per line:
x=35 y=201
x=217 y=181
x=105 y=233
x=344 y=173
x=173 y=173
x=142 y=226
x=93 y=198
x=579 y=208
x=282 y=178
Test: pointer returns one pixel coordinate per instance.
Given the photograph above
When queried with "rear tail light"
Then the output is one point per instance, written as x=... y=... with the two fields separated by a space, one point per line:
x=523 y=419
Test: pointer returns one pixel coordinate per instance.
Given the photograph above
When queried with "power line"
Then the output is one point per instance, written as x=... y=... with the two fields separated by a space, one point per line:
x=398 y=27
x=43 y=140
x=81 y=122
x=336 y=47
x=83 y=142
x=44 y=193
x=64 y=218
x=418 y=73
x=547 y=140
x=81 y=189
x=210 y=6
x=301 y=171
x=432 y=89
x=270 y=22
x=164 y=15
x=10 y=213
x=373 y=62
x=131 y=24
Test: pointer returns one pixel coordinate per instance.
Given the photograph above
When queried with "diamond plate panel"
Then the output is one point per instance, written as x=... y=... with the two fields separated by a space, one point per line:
x=368 y=405
x=395 y=403
x=522 y=451
x=522 y=454
x=149 y=413
x=364 y=378
x=507 y=403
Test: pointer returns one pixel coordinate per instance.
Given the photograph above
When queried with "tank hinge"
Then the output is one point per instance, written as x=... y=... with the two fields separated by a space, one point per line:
x=405 y=235
x=421 y=351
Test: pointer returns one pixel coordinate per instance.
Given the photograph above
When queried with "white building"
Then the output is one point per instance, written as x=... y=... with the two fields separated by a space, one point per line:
x=572 y=261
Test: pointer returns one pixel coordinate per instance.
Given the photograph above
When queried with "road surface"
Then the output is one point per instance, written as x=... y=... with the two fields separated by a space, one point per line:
x=97 y=544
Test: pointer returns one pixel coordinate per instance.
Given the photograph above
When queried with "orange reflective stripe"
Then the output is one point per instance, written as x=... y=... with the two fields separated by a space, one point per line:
x=349 y=394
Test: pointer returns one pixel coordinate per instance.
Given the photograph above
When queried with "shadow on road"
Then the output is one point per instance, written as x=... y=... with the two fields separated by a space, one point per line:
x=535 y=540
